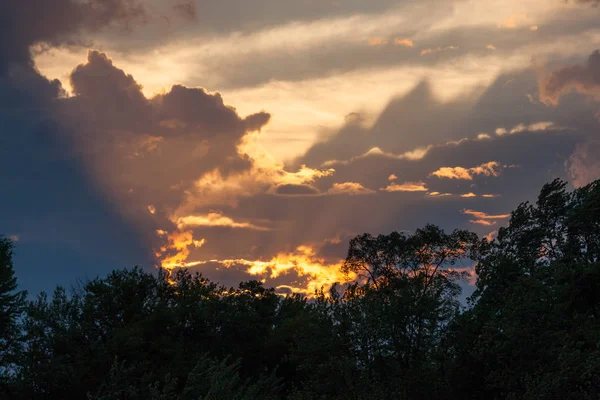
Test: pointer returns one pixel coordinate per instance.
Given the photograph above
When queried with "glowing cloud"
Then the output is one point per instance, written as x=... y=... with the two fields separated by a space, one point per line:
x=215 y=219
x=403 y=42
x=351 y=188
x=303 y=263
x=177 y=249
x=437 y=49
x=377 y=42
x=482 y=218
x=491 y=168
x=438 y=194
x=513 y=21
x=412 y=155
x=470 y=194
x=405 y=187
x=392 y=177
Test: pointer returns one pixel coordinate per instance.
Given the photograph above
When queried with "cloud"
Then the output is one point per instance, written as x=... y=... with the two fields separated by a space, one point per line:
x=392 y=177
x=513 y=21
x=438 y=194
x=481 y=218
x=403 y=42
x=491 y=236
x=177 y=249
x=59 y=22
x=378 y=42
x=406 y=187
x=351 y=188
x=437 y=50
x=584 y=164
x=582 y=78
x=216 y=219
x=491 y=168
x=467 y=195
x=302 y=270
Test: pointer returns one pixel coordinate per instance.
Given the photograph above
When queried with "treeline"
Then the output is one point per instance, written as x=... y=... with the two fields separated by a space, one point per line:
x=531 y=330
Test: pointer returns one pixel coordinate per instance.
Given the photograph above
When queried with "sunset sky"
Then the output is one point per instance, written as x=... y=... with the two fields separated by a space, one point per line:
x=252 y=139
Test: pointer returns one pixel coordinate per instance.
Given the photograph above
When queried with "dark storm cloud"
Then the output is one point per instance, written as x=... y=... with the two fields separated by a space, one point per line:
x=62 y=220
x=27 y=22
x=151 y=150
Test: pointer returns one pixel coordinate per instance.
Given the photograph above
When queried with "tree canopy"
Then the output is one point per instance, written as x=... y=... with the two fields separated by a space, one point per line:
x=531 y=330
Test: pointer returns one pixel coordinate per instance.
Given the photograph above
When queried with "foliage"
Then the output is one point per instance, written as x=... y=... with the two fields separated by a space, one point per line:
x=531 y=331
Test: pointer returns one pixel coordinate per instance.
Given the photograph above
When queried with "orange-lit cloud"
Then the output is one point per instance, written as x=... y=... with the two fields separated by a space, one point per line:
x=470 y=194
x=490 y=195
x=490 y=47
x=513 y=21
x=403 y=42
x=438 y=194
x=491 y=236
x=392 y=177
x=351 y=188
x=483 y=136
x=491 y=168
x=406 y=187
x=437 y=49
x=482 y=218
x=213 y=188
x=412 y=155
x=216 y=219
x=177 y=249
x=304 y=263
x=378 y=41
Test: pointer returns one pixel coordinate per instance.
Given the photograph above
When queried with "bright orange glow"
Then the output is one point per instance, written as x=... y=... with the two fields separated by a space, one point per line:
x=177 y=250
x=470 y=194
x=438 y=194
x=303 y=262
x=216 y=219
x=482 y=218
x=513 y=21
x=406 y=187
x=437 y=49
x=403 y=42
x=377 y=42
x=351 y=188
x=491 y=168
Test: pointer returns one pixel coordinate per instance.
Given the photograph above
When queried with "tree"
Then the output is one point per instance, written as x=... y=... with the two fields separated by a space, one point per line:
x=534 y=330
x=407 y=298
x=11 y=307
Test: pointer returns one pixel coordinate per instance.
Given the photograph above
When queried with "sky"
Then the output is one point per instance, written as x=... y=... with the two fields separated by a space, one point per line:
x=253 y=139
